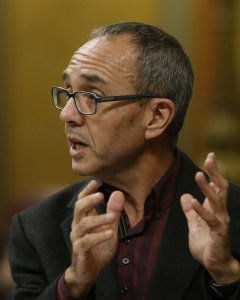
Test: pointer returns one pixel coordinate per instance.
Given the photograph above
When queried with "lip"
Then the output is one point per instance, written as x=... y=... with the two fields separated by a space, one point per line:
x=77 y=146
x=73 y=140
x=77 y=153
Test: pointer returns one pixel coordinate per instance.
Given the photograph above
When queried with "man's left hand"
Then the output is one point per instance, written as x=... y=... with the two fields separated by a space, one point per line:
x=209 y=225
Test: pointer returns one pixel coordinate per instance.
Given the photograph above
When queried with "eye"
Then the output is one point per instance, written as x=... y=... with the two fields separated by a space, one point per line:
x=69 y=89
x=91 y=96
x=94 y=93
x=97 y=93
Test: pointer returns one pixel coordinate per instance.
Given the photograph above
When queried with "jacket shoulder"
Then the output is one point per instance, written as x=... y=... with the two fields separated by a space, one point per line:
x=234 y=197
x=54 y=208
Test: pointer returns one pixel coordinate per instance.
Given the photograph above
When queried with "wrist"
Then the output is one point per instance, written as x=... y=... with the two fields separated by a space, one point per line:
x=75 y=287
x=228 y=273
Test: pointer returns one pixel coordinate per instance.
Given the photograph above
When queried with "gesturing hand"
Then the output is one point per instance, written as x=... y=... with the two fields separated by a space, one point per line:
x=94 y=238
x=209 y=225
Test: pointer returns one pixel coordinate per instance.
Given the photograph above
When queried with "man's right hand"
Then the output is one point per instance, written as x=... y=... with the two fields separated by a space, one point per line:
x=94 y=238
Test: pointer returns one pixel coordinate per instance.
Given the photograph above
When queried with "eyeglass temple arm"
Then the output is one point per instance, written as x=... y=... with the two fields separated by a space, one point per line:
x=126 y=97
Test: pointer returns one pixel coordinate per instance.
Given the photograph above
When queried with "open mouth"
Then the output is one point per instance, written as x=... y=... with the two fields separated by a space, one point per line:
x=78 y=145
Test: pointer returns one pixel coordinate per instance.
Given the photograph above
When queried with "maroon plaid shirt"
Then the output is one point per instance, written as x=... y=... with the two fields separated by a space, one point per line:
x=138 y=246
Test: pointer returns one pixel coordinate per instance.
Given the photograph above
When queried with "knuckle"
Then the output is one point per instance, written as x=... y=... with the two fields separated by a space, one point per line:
x=80 y=245
x=214 y=223
x=73 y=236
x=84 y=224
x=78 y=205
x=227 y=221
x=225 y=184
x=83 y=243
x=77 y=232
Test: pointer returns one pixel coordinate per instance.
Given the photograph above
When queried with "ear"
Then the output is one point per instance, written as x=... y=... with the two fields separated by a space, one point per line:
x=160 y=114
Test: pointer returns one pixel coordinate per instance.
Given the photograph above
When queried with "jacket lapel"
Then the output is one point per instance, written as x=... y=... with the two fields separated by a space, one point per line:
x=175 y=266
x=67 y=222
x=66 y=229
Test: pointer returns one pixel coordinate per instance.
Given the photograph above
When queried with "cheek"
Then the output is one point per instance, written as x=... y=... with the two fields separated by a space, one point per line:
x=116 y=131
x=127 y=134
x=106 y=139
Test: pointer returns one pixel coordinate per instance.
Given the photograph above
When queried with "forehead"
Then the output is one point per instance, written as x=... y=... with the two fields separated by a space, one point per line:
x=103 y=58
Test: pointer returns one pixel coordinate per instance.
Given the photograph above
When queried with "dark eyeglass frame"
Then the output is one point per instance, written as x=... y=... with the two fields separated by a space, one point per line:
x=55 y=91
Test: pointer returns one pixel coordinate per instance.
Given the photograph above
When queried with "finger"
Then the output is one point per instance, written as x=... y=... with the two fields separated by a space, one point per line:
x=187 y=206
x=90 y=223
x=90 y=188
x=212 y=169
x=210 y=218
x=210 y=164
x=194 y=212
x=87 y=196
x=186 y=202
x=86 y=206
x=116 y=202
x=115 y=206
x=217 y=197
x=88 y=199
x=89 y=241
x=208 y=188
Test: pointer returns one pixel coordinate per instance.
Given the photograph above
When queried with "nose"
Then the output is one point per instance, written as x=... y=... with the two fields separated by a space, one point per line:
x=70 y=114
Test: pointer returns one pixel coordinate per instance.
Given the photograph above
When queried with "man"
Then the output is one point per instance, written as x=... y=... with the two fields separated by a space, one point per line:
x=123 y=234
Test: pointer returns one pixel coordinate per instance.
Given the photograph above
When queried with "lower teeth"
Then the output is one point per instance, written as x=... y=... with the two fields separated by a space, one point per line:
x=78 y=146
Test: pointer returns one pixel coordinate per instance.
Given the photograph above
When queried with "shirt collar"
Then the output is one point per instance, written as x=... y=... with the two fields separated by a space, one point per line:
x=165 y=189
x=162 y=193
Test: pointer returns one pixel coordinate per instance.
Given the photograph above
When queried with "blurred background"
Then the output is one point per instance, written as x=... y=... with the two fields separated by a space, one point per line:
x=37 y=41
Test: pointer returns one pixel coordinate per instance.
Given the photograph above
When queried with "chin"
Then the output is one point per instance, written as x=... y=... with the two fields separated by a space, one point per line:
x=83 y=169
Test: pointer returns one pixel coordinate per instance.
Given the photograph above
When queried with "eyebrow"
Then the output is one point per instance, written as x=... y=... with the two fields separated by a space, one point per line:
x=90 y=78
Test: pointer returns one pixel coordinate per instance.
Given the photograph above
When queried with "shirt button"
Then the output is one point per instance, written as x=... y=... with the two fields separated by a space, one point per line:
x=124 y=290
x=127 y=241
x=125 y=261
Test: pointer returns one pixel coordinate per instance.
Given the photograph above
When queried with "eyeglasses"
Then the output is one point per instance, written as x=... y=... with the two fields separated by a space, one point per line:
x=87 y=102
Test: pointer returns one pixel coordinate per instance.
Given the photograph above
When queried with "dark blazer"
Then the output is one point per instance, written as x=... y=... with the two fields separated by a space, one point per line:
x=40 y=249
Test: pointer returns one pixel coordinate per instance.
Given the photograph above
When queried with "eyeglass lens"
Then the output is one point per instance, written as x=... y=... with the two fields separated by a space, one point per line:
x=85 y=102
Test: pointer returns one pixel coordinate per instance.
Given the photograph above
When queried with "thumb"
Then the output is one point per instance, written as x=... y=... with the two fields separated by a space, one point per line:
x=186 y=200
x=115 y=203
x=187 y=203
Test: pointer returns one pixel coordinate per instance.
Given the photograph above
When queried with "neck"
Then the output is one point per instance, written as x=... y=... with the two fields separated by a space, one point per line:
x=137 y=182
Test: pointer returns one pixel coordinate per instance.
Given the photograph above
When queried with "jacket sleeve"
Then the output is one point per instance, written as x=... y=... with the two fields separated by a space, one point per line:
x=31 y=280
x=213 y=291
x=27 y=271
